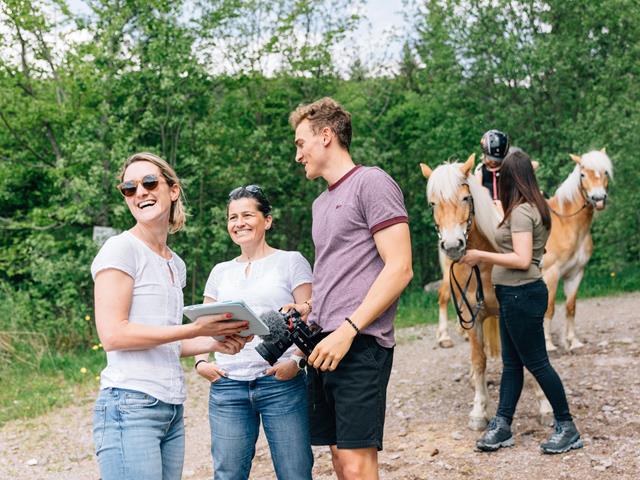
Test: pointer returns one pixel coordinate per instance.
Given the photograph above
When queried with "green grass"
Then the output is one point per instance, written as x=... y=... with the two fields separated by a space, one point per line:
x=417 y=307
x=31 y=390
x=58 y=379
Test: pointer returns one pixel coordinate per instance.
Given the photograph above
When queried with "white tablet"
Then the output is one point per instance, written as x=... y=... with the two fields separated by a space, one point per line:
x=239 y=309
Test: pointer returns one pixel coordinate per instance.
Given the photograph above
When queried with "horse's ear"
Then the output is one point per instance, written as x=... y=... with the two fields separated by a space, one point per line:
x=468 y=165
x=535 y=164
x=426 y=171
x=604 y=150
x=575 y=158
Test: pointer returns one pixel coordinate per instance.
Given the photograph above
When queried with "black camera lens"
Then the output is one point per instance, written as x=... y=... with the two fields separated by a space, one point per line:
x=272 y=351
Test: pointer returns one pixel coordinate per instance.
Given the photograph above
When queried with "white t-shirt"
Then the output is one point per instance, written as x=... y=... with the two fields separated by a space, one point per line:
x=157 y=300
x=268 y=287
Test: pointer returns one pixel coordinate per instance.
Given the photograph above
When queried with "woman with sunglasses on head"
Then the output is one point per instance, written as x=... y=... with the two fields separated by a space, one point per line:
x=245 y=390
x=138 y=417
x=522 y=296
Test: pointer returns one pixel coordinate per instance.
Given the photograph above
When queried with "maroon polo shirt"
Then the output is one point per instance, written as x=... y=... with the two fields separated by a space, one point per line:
x=345 y=218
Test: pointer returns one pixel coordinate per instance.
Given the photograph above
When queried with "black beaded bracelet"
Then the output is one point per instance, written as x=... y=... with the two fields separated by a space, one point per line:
x=195 y=367
x=355 y=327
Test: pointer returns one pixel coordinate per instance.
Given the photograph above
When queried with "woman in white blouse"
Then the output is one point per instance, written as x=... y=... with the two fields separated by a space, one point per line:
x=138 y=417
x=245 y=390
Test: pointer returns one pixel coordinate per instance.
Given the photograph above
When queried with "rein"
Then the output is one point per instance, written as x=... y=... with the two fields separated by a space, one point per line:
x=464 y=301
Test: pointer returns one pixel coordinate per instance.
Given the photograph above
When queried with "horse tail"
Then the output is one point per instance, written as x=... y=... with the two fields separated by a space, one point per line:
x=491 y=333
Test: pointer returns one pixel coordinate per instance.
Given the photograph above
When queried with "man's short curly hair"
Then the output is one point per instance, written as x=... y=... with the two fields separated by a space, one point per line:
x=325 y=112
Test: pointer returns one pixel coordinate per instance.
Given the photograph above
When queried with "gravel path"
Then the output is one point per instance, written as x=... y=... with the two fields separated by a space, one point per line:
x=429 y=398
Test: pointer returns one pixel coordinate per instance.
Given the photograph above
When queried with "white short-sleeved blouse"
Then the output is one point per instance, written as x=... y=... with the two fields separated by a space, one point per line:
x=157 y=300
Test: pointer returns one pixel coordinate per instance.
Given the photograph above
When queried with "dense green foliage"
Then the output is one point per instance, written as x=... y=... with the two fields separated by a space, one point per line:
x=209 y=85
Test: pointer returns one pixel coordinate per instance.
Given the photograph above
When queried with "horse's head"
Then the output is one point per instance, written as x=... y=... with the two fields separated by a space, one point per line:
x=595 y=171
x=449 y=195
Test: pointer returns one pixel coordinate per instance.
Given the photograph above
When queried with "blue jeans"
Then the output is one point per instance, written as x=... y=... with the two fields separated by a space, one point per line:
x=235 y=410
x=137 y=437
x=522 y=339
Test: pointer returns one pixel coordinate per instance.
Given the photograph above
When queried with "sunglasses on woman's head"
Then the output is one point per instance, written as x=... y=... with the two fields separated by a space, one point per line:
x=130 y=187
x=253 y=189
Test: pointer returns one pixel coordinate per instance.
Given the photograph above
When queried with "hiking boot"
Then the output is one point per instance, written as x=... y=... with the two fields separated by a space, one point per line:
x=497 y=435
x=564 y=438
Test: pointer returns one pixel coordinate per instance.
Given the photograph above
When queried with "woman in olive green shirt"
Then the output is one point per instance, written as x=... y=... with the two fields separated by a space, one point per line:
x=522 y=295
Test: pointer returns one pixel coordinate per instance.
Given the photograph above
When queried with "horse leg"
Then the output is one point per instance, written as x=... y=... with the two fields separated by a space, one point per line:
x=551 y=278
x=571 y=285
x=545 y=412
x=444 y=295
x=478 y=417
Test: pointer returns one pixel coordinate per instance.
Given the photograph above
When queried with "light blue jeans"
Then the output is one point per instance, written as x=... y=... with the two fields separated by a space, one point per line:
x=235 y=411
x=137 y=437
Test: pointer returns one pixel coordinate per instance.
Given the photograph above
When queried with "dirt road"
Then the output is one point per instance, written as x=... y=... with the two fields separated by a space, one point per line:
x=429 y=398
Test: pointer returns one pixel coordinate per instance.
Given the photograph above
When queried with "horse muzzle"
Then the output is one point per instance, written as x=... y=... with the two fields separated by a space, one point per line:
x=454 y=250
x=599 y=202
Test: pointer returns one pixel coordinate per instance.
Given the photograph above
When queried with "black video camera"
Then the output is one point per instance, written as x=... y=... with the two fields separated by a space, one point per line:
x=285 y=329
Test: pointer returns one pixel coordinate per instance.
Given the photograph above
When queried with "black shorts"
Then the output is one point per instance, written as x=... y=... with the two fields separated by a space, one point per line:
x=347 y=406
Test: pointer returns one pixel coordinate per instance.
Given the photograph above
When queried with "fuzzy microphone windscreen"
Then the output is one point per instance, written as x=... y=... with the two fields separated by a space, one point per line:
x=277 y=326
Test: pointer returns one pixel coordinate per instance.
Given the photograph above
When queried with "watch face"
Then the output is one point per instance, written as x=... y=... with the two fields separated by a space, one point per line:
x=302 y=363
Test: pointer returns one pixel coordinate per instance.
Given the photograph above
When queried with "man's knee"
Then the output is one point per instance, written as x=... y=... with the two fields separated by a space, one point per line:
x=356 y=464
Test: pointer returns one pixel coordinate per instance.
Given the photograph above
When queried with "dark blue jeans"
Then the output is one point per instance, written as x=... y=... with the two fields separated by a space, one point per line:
x=522 y=338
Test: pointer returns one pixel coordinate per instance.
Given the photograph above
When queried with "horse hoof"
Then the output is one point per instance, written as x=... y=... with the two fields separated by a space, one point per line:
x=551 y=347
x=478 y=423
x=445 y=343
x=575 y=344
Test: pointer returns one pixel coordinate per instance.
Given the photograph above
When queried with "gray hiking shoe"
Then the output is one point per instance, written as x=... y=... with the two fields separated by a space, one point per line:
x=564 y=438
x=497 y=435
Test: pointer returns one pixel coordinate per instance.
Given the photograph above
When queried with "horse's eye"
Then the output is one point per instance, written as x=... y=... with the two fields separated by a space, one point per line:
x=582 y=175
x=432 y=204
x=467 y=198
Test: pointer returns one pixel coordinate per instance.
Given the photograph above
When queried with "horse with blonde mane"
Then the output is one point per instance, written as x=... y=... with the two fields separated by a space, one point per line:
x=466 y=218
x=570 y=246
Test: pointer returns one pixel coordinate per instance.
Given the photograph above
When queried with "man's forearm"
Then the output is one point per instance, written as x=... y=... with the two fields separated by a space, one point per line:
x=386 y=288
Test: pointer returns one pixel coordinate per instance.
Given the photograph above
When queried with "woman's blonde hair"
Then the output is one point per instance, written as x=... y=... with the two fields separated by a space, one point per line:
x=177 y=216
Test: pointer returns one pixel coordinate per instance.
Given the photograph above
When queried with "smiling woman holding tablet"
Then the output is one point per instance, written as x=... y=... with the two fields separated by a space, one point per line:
x=245 y=390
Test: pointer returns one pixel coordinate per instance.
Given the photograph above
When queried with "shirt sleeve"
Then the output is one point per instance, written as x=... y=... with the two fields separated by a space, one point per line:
x=382 y=201
x=299 y=271
x=522 y=218
x=116 y=253
x=211 y=288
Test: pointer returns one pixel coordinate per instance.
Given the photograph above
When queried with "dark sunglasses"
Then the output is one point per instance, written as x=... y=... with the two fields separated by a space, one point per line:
x=253 y=189
x=130 y=187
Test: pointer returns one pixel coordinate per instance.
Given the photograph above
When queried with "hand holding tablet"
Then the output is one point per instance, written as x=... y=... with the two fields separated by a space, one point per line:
x=242 y=314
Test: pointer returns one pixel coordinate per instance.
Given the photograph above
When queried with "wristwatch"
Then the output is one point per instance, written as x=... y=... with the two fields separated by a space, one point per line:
x=301 y=362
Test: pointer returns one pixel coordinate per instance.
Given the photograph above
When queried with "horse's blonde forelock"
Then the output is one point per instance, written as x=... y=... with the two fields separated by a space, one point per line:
x=443 y=185
x=444 y=182
x=599 y=161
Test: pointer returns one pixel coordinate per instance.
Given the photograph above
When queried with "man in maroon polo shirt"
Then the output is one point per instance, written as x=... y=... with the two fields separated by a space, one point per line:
x=363 y=262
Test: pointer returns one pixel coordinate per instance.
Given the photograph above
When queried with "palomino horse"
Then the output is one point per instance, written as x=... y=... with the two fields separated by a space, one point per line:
x=570 y=246
x=444 y=292
x=465 y=218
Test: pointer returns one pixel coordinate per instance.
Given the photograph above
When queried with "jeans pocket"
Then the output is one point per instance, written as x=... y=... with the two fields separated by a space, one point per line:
x=99 y=425
x=138 y=400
